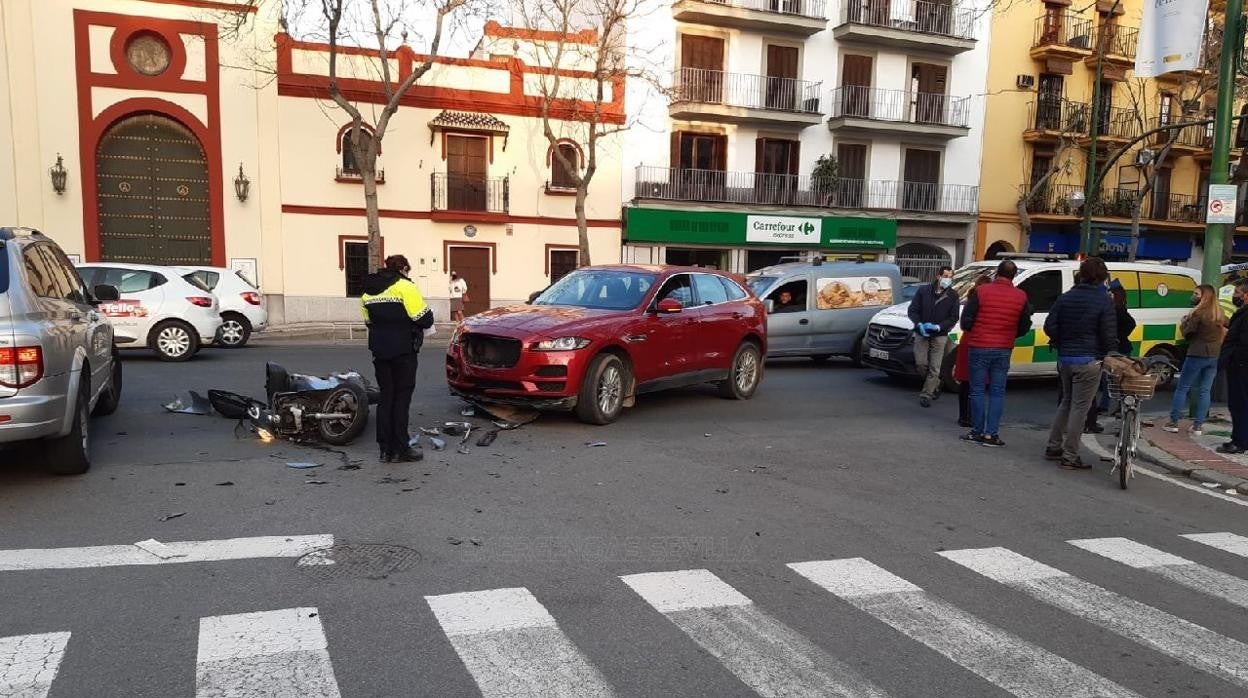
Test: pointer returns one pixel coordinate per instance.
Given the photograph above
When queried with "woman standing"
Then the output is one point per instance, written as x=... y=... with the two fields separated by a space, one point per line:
x=1203 y=329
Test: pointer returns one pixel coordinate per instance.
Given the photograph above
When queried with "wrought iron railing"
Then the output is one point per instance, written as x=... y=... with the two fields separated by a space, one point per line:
x=1194 y=136
x=814 y=9
x=944 y=19
x=355 y=175
x=701 y=86
x=900 y=106
x=1181 y=208
x=1117 y=40
x=759 y=188
x=1063 y=29
x=1057 y=114
x=1117 y=122
x=470 y=193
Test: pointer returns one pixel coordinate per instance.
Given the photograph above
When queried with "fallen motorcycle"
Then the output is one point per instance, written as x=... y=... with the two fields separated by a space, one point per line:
x=331 y=409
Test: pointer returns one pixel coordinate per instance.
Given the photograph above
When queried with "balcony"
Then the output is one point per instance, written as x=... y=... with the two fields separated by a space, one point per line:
x=1116 y=125
x=794 y=17
x=763 y=189
x=1188 y=140
x=713 y=95
x=1063 y=37
x=873 y=111
x=915 y=25
x=1051 y=120
x=458 y=194
x=1181 y=208
x=1068 y=200
x=1117 y=44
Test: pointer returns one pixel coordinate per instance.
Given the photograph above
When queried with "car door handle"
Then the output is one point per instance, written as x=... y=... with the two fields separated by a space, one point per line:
x=803 y=321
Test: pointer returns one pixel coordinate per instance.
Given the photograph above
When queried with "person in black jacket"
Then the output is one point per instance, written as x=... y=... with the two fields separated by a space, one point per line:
x=1082 y=327
x=934 y=312
x=397 y=317
x=1234 y=360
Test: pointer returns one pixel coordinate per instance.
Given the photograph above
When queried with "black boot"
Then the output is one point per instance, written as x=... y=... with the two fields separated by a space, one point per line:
x=386 y=455
x=408 y=455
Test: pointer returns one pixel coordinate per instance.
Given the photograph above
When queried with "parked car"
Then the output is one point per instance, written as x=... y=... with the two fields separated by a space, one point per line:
x=1158 y=297
x=602 y=335
x=58 y=363
x=242 y=305
x=158 y=309
x=830 y=308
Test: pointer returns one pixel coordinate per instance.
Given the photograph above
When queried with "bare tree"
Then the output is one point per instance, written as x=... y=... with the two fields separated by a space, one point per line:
x=583 y=47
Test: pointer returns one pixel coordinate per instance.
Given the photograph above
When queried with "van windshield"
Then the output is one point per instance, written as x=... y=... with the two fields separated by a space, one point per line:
x=759 y=284
x=964 y=278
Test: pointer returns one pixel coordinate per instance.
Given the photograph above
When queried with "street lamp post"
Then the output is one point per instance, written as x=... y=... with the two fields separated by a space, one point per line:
x=1228 y=72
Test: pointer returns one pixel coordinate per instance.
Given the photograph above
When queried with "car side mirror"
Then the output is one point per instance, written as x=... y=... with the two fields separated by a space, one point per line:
x=669 y=306
x=770 y=305
x=106 y=294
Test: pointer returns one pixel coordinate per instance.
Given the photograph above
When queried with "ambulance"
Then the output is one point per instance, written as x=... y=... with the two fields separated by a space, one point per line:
x=1158 y=296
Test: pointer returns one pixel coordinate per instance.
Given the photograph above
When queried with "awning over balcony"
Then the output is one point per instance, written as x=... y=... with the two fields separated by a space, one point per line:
x=469 y=121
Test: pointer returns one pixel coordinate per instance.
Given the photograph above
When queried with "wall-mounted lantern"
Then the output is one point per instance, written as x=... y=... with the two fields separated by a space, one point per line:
x=242 y=185
x=59 y=175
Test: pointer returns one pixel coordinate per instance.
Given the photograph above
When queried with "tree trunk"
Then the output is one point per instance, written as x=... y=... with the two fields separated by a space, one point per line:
x=1134 y=247
x=369 y=173
x=582 y=224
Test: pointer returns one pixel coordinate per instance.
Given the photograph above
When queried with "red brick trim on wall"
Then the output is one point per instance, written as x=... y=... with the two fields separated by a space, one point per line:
x=448 y=244
x=446 y=215
x=568 y=248
x=91 y=129
x=209 y=5
x=498 y=31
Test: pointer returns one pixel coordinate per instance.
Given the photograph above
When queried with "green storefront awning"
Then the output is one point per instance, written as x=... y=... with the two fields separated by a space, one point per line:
x=736 y=228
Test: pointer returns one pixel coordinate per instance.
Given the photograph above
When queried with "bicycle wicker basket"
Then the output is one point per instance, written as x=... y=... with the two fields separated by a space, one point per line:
x=1123 y=384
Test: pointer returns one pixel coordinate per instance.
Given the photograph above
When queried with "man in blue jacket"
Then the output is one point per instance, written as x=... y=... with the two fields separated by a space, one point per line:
x=1082 y=326
x=934 y=312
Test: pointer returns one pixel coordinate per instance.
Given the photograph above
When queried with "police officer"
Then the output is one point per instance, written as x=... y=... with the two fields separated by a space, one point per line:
x=397 y=317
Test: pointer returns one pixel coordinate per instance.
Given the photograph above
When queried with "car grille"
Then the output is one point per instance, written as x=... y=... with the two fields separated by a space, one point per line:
x=885 y=337
x=490 y=351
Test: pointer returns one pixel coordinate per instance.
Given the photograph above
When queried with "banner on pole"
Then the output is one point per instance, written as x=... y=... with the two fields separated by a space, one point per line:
x=1172 y=34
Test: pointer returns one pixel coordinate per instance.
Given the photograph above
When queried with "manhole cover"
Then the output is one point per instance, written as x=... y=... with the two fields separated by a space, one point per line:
x=367 y=561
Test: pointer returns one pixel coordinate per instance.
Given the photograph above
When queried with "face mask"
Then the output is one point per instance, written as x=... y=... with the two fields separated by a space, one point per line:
x=1238 y=301
x=946 y=282
x=1195 y=301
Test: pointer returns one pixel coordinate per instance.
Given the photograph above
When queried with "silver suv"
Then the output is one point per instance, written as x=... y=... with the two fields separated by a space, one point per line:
x=58 y=363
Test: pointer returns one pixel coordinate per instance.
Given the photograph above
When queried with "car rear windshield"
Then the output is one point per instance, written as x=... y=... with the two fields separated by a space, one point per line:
x=759 y=284
x=599 y=289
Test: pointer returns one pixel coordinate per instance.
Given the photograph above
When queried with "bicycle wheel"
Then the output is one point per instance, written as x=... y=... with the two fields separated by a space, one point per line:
x=1127 y=435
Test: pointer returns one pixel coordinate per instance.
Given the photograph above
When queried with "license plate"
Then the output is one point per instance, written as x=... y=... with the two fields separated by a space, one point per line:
x=878 y=354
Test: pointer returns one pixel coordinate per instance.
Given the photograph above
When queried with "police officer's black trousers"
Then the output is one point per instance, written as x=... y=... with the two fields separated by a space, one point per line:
x=397 y=379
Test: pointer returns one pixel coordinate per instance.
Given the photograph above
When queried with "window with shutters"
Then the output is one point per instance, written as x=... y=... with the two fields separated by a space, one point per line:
x=355 y=267
x=851 y=185
x=776 y=168
x=563 y=176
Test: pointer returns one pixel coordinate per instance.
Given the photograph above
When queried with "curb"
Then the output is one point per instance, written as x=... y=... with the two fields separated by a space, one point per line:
x=1161 y=458
x=336 y=332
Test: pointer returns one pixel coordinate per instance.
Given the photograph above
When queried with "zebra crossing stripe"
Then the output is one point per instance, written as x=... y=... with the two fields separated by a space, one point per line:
x=1003 y=659
x=1172 y=567
x=1226 y=542
x=765 y=654
x=1190 y=643
x=265 y=654
x=513 y=647
x=28 y=663
x=171 y=553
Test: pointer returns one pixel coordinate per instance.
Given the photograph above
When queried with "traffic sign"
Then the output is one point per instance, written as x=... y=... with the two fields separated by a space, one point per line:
x=1222 y=198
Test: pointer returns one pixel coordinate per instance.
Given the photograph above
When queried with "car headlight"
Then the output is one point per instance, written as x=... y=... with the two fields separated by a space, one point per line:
x=562 y=344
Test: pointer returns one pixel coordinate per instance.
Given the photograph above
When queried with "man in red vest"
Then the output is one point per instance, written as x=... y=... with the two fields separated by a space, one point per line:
x=998 y=313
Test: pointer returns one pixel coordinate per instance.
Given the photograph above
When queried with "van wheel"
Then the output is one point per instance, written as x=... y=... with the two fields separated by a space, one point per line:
x=601 y=398
x=174 y=340
x=1165 y=374
x=745 y=374
x=71 y=454
x=111 y=397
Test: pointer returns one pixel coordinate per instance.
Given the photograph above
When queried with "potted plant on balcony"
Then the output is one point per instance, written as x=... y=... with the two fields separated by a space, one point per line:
x=824 y=179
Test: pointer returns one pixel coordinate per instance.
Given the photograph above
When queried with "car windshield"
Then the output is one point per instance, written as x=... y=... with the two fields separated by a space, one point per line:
x=759 y=284
x=598 y=289
x=964 y=278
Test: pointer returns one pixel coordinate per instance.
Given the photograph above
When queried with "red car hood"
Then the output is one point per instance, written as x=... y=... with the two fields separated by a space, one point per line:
x=544 y=320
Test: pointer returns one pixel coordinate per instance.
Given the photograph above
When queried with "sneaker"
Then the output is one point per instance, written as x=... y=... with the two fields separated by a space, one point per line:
x=1172 y=427
x=1052 y=454
x=1198 y=430
x=1075 y=463
x=925 y=401
x=409 y=456
x=972 y=437
x=991 y=441
x=1230 y=449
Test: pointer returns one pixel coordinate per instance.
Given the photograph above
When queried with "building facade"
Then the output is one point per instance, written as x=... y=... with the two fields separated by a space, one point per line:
x=724 y=168
x=184 y=143
x=1038 y=138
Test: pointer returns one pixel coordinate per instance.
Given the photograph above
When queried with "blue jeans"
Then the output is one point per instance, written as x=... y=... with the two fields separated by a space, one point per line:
x=1198 y=371
x=989 y=368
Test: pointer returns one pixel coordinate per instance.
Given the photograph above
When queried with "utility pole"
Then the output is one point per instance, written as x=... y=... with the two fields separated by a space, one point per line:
x=1228 y=71
x=1088 y=245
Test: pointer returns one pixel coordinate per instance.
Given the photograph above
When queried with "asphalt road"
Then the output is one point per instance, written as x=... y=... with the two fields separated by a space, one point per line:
x=540 y=566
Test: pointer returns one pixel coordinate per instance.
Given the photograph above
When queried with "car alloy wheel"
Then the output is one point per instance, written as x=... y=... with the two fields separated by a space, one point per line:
x=173 y=341
x=232 y=332
x=610 y=390
x=746 y=372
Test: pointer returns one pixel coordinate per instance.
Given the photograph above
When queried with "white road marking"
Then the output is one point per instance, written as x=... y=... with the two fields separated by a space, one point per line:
x=1172 y=567
x=1005 y=660
x=765 y=654
x=269 y=654
x=28 y=664
x=1226 y=542
x=178 y=553
x=1197 y=646
x=513 y=647
x=1089 y=442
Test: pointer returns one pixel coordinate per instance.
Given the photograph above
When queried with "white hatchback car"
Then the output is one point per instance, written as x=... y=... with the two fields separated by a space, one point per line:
x=158 y=308
x=242 y=304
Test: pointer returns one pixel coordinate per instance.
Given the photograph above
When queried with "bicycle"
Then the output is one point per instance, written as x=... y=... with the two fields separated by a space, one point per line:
x=1130 y=391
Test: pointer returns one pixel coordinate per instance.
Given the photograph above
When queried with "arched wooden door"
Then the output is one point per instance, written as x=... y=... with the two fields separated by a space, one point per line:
x=152 y=193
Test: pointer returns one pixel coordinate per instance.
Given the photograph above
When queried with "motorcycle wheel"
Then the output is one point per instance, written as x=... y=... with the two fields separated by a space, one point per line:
x=349 y=399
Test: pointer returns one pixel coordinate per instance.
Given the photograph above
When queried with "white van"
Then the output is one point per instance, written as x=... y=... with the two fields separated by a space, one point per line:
x=1158 y=297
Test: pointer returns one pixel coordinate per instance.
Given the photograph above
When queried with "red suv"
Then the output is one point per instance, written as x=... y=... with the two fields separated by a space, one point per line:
x=601 y=335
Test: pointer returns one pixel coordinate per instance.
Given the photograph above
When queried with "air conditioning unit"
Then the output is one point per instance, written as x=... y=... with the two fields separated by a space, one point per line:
x=1025 y=82
x=1145 y=156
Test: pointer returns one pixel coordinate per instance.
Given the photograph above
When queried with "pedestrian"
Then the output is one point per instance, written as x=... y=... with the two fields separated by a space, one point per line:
x=459 y=294
x=1082 y=328
x=961 y=365
x=1125 y=325
x=934 y=312
x=1203 y=328
x=1234 y=360
x=995 y=316
x=397 y=317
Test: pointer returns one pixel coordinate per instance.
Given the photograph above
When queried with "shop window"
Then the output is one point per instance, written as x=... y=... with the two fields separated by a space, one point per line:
x=709 y=259
x=564 y=176
x=1042 y=290
x=789 y=298
x=759 y=259
x=355 y=267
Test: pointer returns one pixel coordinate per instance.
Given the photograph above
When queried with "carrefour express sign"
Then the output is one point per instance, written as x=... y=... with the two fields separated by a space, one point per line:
x=803 y=231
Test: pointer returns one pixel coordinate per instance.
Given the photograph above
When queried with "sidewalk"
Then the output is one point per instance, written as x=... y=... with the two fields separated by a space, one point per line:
x=337 y=331
x=1195 y=456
